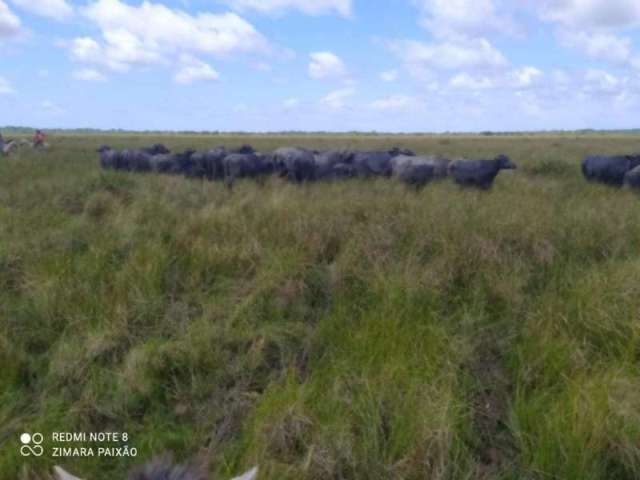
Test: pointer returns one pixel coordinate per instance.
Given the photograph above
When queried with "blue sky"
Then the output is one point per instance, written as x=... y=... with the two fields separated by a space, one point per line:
x=267 y=65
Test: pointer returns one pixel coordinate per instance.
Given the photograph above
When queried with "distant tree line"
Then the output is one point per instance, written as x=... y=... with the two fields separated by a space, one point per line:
x=21 y=130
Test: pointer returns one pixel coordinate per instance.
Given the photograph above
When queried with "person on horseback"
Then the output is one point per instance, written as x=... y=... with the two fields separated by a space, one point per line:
x=38 y=139
x=5 y=146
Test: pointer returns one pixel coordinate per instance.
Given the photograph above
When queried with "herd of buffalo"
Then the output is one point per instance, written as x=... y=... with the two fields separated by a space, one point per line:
x=301 y=165
x=613 y=170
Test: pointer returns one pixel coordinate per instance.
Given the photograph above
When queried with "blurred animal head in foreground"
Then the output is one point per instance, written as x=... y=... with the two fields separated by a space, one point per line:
x=162 y=469
x=505 y=163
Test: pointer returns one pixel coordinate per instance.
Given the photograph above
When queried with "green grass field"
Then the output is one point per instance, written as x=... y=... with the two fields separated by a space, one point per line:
x=357 y=330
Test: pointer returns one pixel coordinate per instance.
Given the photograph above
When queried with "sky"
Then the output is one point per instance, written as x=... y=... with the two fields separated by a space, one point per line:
x=332 y=65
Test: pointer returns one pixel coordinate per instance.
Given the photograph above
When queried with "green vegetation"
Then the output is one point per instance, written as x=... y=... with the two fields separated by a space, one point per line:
x=355 y=330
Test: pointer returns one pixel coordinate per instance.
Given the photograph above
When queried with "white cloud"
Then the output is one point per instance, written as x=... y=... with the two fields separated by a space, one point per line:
x=587 y=14
x=309 y=7
x=291 y=103
x=526 y=77
x=155 y=34
x=336 y=100
x=9 y=23
x=476 y=53
x=464 y=81
x=561 y=77
x=601 y=81
x=389 y=76
x=262 y=67
x=326 y=65
x=56 y=9
x=518 y=79
x=393 y=102
x=85 y=49
x=195 y=70
x=530 y=104
x=589 y=26
x=89 y=75
x=461 y=29
x=599 y=45
x=463 y=18
x=49 y=107
x=5 y=86
x=121 y=51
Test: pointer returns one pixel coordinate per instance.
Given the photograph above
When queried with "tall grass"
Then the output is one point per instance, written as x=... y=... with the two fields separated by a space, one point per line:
x=356 y=330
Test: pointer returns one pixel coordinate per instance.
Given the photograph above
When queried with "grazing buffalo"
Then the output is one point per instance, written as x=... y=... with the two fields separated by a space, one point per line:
x=163 y=163
x=479 y=173
x=108 y=157
x=185 y=164
x=245 y=165
x=209 y=164
x=173 y=163
x=334 y=165
x=156 y=149
x=297 y=164
x=140 y=159
x=342 y=171
x=244 y=149
x=396 y=152
x=419 y=171
x=632 y=178
x=134 y=160
x=610 y=170
x=370 y=164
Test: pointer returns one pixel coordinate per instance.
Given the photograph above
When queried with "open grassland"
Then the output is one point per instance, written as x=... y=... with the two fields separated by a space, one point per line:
x=357 y=330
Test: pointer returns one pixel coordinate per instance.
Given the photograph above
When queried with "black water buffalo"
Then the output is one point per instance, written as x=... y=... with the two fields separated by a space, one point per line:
x=419 y=171
x=245 y=165
x=134 y=161
x=140 y=159
x=297 y=164
x=156 y=149
x=171 y=163
x=342 y=171
x=479 y=173
x=244 y=149
x=209 y=164
x=396 y=152
x=632 y=178
x=163 y=163
x=334 y=165
x=184 y=163
x=108 y=157
x=370 y=164
x=199 y=165
x=610 y=170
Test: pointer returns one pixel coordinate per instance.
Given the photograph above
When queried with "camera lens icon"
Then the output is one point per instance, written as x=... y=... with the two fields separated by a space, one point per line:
x=31 y=444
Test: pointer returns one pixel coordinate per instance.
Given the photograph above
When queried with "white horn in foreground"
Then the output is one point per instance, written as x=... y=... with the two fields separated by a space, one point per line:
x=62 y=475
x=250 y=475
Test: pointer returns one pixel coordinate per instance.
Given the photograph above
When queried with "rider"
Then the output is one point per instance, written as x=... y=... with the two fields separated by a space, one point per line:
x=38 y=139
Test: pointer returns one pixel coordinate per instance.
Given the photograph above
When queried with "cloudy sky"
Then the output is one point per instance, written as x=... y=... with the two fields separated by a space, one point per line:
x=265 y=65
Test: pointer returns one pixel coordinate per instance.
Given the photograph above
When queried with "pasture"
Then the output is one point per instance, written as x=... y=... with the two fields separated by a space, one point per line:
x=348 y=330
